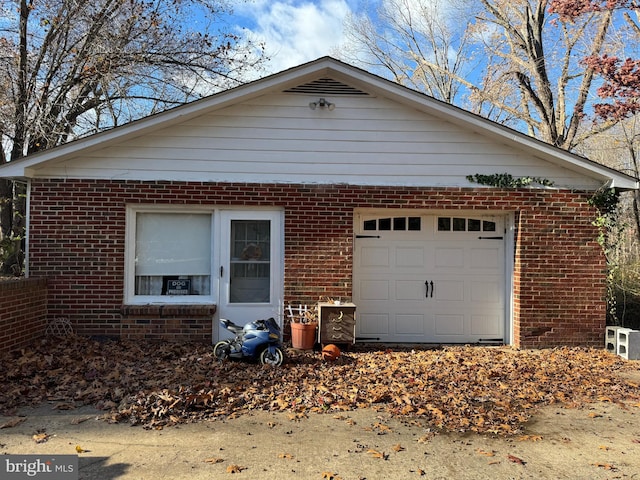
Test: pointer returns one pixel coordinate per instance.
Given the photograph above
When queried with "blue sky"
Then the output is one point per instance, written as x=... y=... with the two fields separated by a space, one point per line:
x=295 y=31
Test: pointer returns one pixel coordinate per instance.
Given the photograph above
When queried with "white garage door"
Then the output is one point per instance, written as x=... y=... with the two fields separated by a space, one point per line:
x=429 y=278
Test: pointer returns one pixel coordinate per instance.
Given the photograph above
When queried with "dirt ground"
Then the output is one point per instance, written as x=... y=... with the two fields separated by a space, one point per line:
x=597 y=441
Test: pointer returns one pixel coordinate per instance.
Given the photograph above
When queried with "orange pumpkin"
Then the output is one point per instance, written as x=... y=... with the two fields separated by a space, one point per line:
x=330 y=352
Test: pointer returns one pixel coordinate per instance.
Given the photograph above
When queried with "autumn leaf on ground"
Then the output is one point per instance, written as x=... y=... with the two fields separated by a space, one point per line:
x=485 y=453
x=377 y=454
x=606 y=466
x=288 y=456
x=213 y=460
x=330 y=476
x=530 y=438
x=297 y=417
x=595 y=415
x=382 y=428
x=79 y=449
x=235 y=468
x=40 y=437
x=398 y=448
x=123 y=379
x=603 y=447
x=517 y=460
x=12 y=422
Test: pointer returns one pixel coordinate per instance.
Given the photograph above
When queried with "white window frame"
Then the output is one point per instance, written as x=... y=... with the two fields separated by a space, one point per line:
x=130 y=298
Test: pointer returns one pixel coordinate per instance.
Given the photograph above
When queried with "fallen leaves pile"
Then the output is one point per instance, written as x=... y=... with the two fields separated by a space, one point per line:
x=481 y=389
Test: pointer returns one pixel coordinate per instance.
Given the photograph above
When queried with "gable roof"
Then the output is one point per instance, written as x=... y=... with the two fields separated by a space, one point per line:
x=324 y=77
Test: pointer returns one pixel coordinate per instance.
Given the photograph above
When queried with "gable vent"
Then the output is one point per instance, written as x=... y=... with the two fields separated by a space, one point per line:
x=326 y=86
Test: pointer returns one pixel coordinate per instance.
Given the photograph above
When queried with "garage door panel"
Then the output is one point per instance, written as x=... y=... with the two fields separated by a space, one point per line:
x=410 y=324
x=409 y=257
x=488 y=258
x=374 y=257
x=409 y=290
x=447 y=324
x=449 y=290
x=448 y=257
x=486 y=291
x=372 y=324
x=485 y=326
x=374 y=290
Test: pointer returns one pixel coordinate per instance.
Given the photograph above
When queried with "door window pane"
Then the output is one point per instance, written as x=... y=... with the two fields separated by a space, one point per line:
x=474 y=225
x=488 y=226
x=250 y=275
x=400 y=223
x=444 y=224
x=459 y=224
x=414 y=224
x=370 y=225
x=384 y=224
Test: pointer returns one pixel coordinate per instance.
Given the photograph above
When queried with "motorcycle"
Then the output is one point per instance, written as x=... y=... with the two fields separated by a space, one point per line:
x=255 y=340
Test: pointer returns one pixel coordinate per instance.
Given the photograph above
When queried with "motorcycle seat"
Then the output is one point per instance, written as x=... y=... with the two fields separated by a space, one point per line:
x=232 y=327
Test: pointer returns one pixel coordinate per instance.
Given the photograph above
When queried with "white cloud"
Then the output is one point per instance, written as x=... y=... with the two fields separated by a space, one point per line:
x=294 y=31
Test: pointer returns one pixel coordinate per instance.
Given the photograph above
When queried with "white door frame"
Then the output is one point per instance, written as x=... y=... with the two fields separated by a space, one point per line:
x=242 y=313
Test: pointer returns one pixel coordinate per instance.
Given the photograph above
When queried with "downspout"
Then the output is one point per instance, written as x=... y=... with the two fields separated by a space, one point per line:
x=27 y=223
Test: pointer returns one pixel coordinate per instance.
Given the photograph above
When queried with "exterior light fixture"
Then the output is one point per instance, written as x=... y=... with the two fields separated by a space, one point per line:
x=322 y=103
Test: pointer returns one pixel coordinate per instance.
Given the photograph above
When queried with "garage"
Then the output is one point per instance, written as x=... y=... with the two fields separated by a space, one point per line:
x=430 y=278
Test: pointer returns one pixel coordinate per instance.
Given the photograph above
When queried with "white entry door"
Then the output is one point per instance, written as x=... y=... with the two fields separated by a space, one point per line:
x=430 y=278
x=251 y=273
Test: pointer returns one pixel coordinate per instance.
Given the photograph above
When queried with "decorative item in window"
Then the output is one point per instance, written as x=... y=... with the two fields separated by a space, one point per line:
x=251 y=252
x=178 y=286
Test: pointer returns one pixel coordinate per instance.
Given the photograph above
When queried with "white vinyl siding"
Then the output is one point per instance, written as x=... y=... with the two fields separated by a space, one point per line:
x=366 y=140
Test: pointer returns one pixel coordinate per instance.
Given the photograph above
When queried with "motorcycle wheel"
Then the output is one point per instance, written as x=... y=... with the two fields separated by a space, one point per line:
x=274 y=359
x=221 y=350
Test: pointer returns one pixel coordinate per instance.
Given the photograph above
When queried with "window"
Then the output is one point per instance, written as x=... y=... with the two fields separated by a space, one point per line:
x=250 y=261
x=457 y=224
x=169 y=256
x=413 y=224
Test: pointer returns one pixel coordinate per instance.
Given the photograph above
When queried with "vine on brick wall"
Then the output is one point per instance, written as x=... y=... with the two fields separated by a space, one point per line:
x=506 y=180
x=11 y=257
x=606 y=201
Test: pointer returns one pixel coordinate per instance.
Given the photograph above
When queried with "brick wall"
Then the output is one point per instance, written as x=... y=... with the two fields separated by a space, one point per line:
x=23 y=312
x=77 y=241
x=168 y=322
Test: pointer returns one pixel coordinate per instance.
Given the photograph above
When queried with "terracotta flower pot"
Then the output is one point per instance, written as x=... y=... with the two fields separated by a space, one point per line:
x=303 y=335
